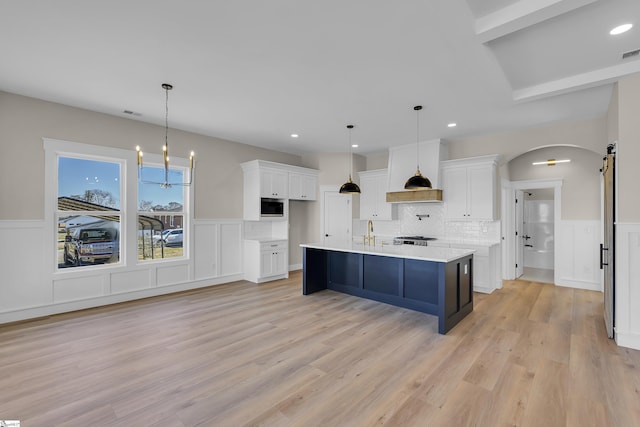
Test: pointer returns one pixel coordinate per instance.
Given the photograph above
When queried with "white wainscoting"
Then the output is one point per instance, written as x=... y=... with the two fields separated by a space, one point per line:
x=22 y=283
x=627 y=295
x=30 y=288
x=577 y=254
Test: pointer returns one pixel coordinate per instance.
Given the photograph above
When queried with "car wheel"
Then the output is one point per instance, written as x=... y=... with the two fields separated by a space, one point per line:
x=65 y=256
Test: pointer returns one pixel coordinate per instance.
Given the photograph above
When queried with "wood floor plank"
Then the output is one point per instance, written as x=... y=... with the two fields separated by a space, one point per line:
x=242 y=354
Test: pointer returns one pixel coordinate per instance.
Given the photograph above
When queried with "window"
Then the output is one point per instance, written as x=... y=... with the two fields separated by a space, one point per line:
x=88 y=215
x=99 y=214
x=161 y=214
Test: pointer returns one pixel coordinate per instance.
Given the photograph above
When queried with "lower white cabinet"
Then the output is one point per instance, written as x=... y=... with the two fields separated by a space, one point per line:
x=486 y=264
x=266 y=260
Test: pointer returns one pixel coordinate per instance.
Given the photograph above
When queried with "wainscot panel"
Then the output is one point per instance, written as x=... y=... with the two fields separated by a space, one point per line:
x=22 y=261
x=627 y=313
x=130 y=281
x=172 y=274
x=79 y=288
x=577 y=255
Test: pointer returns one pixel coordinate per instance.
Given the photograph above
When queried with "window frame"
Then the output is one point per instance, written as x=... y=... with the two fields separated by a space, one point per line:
x=54 y=148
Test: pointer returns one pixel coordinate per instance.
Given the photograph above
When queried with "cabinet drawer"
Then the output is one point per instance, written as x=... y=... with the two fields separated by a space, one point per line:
x=272 y=246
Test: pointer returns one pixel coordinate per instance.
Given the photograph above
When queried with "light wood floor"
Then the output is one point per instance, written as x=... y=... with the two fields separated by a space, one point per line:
x=239 y=354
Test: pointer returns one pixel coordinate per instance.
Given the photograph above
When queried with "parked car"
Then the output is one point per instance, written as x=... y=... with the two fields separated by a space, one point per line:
x=158 y=239
x=173 y=237
x=91 y=245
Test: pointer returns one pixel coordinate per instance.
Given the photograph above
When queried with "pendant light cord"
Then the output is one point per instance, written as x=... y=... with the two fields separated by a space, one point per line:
x=166 y=118
x=417 y=109
x=418 y=140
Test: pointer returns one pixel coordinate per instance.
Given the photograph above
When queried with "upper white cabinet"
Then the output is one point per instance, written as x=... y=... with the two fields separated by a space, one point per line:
x=302 y=186
x=270 y=180
x=274 y=183
x=403 y=162
x=469 y=188
x=373 y=190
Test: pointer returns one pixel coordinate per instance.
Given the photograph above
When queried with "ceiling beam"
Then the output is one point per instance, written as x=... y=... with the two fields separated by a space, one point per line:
x=586 y=80
x=522 y=14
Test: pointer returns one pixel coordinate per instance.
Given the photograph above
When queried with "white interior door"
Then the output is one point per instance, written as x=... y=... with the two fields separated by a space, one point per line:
x=519 y=223
x=337 y=216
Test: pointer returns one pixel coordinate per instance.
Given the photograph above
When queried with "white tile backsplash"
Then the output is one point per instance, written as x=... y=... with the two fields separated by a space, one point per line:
x=257 y=229
x=435 y=225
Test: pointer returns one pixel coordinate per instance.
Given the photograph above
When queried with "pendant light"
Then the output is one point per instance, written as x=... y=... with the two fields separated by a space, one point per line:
x=165 y=151
x=350 y=187
x=417 y=181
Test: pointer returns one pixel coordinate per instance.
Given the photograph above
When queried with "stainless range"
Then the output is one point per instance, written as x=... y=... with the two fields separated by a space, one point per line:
x=412 y=240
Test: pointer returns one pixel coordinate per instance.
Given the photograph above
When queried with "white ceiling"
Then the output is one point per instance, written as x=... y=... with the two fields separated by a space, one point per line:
x=255 y=71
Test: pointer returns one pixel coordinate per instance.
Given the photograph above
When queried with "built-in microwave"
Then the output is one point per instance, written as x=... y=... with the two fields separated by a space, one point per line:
x=271 y=207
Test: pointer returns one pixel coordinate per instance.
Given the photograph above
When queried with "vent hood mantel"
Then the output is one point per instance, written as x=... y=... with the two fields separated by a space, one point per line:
x=414 y=196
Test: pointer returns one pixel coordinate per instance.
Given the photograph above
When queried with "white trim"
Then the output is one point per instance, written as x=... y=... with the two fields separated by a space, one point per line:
x=294 y=267
x=627 y=286
x=589 y=79
x=522 y=14
x=508 y=209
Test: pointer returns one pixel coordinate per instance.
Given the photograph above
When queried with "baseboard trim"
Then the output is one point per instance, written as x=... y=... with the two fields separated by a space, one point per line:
x=294 y=267
x=628 y=339
x=66 y=307
x=578 y=284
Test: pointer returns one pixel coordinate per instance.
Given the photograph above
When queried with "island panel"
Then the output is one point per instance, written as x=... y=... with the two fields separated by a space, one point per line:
x=443 y=289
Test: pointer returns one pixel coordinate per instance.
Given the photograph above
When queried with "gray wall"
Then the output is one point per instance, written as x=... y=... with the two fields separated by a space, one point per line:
x=589 y=134
x=580 y=178
x=628 y=149
x=25 y=121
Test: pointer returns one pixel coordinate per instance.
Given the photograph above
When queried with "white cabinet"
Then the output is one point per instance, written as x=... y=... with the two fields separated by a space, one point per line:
x=274 y=183
x=265 y=260
x=302 y=186
x=486 y=264
x=373 y=196
x=270 y=180
x=469 y=188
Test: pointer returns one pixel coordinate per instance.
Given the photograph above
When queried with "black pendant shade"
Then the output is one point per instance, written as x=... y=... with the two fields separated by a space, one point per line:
x=417 y=181
x=350 y=187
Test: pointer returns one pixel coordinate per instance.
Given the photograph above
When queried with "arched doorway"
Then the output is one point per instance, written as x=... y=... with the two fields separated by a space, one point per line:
x=569 y=195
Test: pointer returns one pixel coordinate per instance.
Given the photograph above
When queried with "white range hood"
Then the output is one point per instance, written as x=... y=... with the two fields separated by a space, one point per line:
x=402 y=165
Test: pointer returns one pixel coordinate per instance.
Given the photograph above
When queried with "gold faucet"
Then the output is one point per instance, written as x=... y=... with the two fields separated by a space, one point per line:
x=369 y=237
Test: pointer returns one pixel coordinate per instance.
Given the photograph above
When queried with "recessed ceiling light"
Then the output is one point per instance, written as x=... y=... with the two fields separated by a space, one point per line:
x=294 y=135
x=354 y=145
x=620 y=29
x=452 y=125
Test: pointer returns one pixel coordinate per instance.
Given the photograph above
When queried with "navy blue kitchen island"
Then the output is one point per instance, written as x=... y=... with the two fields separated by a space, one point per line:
x=437 y=281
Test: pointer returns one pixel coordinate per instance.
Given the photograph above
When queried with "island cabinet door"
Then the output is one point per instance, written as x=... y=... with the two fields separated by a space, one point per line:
x=382 y=275
x=421 y=281
x=345 y=270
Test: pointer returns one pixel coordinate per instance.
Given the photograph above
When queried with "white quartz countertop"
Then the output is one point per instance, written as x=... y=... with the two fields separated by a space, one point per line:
x=424 y=253
x=267 y=239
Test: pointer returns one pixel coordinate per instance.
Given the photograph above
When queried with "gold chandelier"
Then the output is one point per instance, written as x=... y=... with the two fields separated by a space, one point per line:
x=165 y=152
